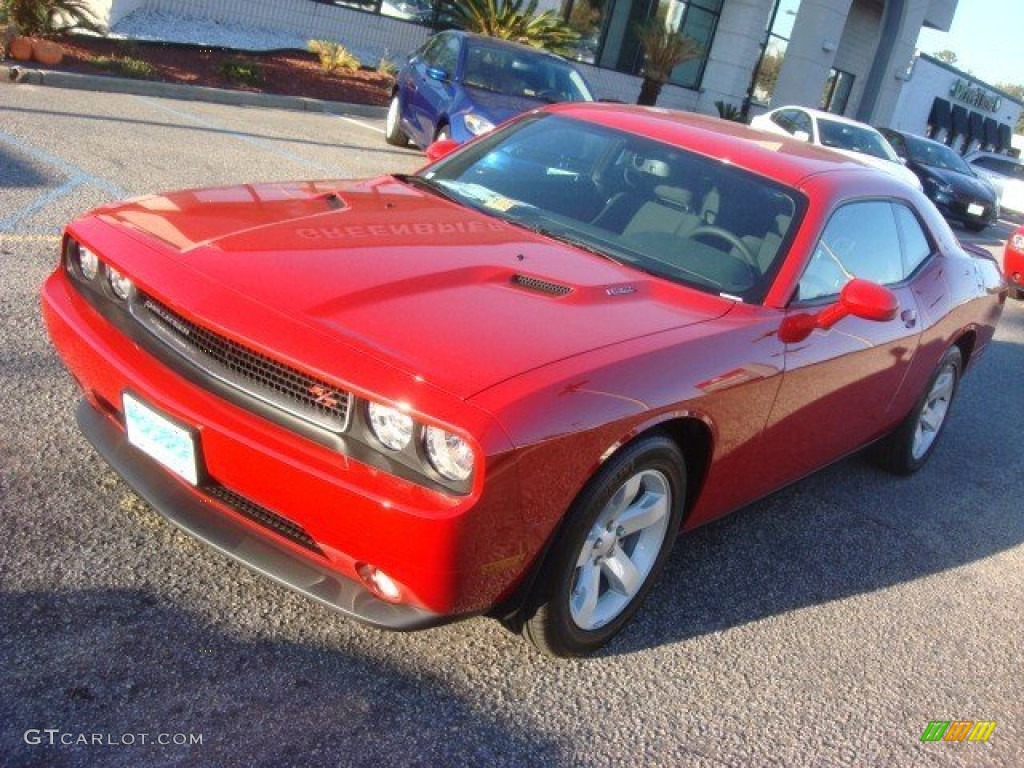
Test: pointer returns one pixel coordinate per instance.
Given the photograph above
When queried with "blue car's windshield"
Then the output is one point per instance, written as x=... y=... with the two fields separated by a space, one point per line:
x=522 y=73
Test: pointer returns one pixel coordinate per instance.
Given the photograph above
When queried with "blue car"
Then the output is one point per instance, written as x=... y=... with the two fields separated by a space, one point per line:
x=459 y=85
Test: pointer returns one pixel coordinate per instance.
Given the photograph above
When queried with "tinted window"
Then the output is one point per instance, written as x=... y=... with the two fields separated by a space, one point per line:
x=522 y=73
x=916 y=247
x=855 y=138
x=860 y=240
x=936 y=155
x=784 y=119
x=802 y=122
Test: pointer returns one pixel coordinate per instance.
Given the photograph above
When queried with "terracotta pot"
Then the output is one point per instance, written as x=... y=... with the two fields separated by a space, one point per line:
x=47 y=52
x=20 y=48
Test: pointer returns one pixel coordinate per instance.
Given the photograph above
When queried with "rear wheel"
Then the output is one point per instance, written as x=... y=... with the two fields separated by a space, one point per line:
x=618 y=534
x=908 y=448
x=393 y=132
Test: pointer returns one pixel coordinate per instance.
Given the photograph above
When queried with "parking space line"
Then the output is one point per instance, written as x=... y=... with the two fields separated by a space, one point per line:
x=360 y=123
x=263 y=144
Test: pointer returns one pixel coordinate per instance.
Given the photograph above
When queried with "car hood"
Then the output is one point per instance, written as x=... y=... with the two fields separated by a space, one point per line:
x=443 y=292
x=496 y=107
x=961 y=182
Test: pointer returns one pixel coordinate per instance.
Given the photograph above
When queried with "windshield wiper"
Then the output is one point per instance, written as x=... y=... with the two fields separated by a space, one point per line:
x=421 y=182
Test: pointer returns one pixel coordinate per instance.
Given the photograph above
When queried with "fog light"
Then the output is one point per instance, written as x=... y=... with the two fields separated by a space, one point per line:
x=120 y=285
x=378 y=582
x=88 y=263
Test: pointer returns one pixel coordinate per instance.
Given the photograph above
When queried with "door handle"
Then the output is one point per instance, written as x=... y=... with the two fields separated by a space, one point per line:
x=909 y=317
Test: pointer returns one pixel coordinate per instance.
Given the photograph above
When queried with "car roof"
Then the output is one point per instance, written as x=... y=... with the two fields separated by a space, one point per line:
x=779 y=157
x=818 y=113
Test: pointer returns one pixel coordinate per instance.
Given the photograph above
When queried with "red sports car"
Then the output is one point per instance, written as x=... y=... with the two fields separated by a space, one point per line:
x=503 y=384
x=1013 y=263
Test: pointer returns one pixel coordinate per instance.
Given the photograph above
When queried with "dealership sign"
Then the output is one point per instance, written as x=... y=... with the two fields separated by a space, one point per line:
x=976 y=97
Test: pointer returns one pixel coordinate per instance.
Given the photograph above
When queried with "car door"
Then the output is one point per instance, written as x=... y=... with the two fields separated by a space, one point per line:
x=434 y=86
x=842 y=386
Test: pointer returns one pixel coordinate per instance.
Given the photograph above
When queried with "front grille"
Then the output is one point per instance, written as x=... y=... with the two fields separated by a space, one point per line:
x=542 y=286
x=263 y=516
x=251 y=372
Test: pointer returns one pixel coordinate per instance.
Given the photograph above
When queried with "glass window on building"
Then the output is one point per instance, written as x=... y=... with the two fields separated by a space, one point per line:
x=780 y=29
x=608 y=32
x=837 y=91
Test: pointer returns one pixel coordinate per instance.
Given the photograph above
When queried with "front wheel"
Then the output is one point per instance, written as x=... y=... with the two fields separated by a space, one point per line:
x=393 y=132
x=908 y=448
x=618 y=534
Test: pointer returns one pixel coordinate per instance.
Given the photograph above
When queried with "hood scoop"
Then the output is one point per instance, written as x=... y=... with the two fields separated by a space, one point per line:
x=540 y=286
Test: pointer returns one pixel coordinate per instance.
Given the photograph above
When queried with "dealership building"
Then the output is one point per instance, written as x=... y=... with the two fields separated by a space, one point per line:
x=851 y=57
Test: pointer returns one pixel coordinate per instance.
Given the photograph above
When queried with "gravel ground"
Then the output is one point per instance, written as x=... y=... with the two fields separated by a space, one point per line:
x=156 y=25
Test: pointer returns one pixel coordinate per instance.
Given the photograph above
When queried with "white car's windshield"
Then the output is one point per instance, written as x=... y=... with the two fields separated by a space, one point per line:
x=855 y=138
x=654 y=206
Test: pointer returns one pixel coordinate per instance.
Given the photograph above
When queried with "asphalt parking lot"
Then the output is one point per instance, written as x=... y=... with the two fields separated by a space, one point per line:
x=823 y=626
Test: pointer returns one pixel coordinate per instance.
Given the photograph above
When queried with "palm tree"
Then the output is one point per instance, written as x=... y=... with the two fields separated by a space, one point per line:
x=51 y=17
x=515 y=20
x=664 y=50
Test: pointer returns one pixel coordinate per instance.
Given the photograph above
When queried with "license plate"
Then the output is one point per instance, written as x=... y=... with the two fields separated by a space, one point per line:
x=975 y=210
x=160 y=438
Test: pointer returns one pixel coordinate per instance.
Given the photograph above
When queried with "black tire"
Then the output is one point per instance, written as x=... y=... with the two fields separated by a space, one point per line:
x=558 y=618
x=908 y=448
x=393 y=132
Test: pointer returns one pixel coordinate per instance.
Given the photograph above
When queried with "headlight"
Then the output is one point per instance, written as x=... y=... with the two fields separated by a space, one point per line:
x=477 y=125
x=88 y=263
x=120 y=284
x=450 y=454
x=392 y=427
x=1017 y=243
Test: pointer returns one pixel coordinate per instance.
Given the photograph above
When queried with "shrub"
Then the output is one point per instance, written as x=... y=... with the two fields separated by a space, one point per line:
x=387 y=67
x=515 y=20
x=125 y=67
x=664 y=50
x=242 y=72
x=728 y=111
x=51 y=17
x=334 y=56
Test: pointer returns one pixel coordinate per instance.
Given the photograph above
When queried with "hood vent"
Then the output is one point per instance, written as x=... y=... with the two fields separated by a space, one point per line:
x=541 y=286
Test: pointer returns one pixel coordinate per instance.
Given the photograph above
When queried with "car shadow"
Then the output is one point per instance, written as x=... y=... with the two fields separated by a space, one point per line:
x=122 y=662
x=16 y=173
x=851 y=528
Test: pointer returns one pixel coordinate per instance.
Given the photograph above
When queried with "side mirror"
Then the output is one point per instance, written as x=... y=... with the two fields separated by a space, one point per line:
x=859 y=298
x=440 y=149
x=436 y=73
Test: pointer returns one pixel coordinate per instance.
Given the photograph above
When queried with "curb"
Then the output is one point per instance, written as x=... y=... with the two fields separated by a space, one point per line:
x=103 y=83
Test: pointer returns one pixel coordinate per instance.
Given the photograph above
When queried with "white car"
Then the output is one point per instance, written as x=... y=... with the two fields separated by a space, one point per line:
x=837 y=133
x=1006 y=174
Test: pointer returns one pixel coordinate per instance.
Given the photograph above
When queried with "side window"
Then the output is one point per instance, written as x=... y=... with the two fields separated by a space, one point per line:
x=860 y=240
x=784 y=119
x=916 y=247
x=429 y=53
x=448 y=55
x=802 y=123
x=897 y=143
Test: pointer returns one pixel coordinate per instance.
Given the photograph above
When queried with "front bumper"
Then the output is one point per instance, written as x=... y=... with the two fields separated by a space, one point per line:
x=957 y=210
x=304 y=514
x=198 y=515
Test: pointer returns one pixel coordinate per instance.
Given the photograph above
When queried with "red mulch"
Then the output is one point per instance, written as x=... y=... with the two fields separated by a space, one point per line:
x=292 y=73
